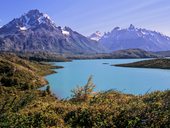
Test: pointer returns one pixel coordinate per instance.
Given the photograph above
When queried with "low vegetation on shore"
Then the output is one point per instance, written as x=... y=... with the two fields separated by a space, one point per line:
x=21 y=73
x=26 y=107
x=154 y=63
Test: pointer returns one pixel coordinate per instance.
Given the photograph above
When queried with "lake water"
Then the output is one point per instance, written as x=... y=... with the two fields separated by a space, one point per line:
x=105 y=77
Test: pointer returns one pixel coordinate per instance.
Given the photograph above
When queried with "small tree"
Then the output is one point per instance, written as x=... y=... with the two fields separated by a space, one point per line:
x=83 y=93
x=48 y=89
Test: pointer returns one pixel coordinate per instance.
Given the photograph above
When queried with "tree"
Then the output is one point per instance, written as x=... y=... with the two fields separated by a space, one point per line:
x=48 y=89
x=83 y=93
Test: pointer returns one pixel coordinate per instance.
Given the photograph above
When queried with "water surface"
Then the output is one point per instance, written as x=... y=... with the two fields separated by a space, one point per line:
x=105 y=77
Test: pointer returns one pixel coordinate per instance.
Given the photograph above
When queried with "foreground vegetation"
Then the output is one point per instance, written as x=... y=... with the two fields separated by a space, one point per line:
x=29 y=107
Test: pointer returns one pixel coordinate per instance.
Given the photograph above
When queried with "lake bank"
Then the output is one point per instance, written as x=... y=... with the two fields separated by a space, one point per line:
x=127 y=80
x=154 y=64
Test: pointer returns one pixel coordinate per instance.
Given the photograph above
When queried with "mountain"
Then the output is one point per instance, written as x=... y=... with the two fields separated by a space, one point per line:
x=35 y=31
x=96 y=36
x=133 y=37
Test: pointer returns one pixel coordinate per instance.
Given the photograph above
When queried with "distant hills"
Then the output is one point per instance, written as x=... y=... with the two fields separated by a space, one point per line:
x=36 y=32
x=163 y=53
x=134 y=53
x=124 y=54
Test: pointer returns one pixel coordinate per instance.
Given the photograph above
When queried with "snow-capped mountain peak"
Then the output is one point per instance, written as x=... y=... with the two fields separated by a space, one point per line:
x=133 y=37
x=96 y=36
x=31 y=19
x=35 y=31
x=131 y=27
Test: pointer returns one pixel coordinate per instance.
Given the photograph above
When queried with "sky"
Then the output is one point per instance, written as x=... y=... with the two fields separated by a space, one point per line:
x=88 y=16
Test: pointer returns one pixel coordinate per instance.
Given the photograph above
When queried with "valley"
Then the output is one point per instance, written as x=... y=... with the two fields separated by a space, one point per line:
x=52 y=76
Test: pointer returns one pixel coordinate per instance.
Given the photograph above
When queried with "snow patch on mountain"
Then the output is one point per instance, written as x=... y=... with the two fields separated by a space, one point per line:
x=34 y=31
x=67 y=33
x=46 y=16
x=96 y=36
x=23 y=28
x=41 y=20
x=133 y=37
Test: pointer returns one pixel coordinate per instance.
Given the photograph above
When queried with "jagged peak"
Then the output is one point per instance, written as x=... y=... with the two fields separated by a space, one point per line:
x=34 y=11
x=31 y=19
x=98 y=32
x=67 y=28
x=36 y=15
x=117 y=28
x=131 y=27
x=96 y=36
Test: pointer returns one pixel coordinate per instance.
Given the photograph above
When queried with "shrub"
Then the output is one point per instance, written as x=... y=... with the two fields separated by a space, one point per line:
x=84 y=92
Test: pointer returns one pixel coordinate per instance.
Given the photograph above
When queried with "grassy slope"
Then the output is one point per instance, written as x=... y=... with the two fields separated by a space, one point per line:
x=22 y=73
x=33 y=108
x=155 y=63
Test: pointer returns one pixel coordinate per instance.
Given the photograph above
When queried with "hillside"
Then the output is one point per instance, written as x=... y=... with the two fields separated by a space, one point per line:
x=21 y=73
x=119 y=54
x=40 y=56
x=133 y=53
x=25 y=106
x=163 y=53
x=155 y=63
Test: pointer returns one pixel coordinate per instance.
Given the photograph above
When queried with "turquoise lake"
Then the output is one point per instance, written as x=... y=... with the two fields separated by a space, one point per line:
x=105 y=77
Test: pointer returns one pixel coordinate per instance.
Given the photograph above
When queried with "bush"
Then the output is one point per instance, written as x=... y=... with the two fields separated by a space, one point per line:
x=83 y=93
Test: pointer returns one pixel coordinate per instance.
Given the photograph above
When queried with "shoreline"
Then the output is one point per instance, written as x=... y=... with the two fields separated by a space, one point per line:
x=149 y=64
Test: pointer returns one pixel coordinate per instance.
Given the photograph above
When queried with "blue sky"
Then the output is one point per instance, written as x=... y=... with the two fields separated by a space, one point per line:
x=87 y=16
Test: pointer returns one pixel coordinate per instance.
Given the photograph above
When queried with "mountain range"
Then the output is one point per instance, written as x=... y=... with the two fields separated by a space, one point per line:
x=133 y=37
x=35 y=31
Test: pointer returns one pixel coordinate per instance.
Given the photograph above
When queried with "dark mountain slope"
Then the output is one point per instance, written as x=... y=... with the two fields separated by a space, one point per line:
x=35 y=31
